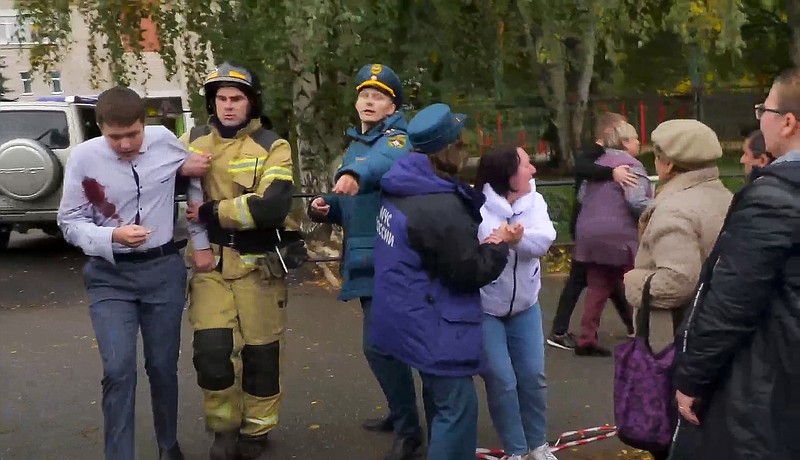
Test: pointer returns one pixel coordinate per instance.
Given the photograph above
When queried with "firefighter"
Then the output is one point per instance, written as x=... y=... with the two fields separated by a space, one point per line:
x=238 y=290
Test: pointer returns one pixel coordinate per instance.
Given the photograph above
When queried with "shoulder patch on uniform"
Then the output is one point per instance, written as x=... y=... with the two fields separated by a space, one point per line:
x=397 y=141
x=265 y=138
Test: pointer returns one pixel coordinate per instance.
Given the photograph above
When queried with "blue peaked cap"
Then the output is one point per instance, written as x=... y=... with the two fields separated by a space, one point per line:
x=383 y=78
x=434 y=128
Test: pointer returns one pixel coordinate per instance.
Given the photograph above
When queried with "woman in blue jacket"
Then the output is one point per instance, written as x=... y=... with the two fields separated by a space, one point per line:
x=513 y=338
x=429 y=268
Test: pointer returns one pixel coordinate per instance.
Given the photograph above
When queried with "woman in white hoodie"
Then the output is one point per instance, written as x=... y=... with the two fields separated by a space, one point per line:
x=512 y=326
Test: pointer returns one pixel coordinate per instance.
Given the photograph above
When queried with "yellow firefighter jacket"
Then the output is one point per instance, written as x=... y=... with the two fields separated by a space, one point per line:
x=250 y=182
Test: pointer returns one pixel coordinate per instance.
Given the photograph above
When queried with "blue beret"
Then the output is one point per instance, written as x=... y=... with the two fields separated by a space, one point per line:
x=434 y=128
x=381 y=77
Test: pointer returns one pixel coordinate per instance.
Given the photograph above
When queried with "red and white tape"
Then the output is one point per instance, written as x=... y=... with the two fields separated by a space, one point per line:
x=603 y=432
x=563 y=442
x=489 y=454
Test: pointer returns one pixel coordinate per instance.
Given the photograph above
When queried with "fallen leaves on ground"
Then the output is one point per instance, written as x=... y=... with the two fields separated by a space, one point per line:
x=625 y=454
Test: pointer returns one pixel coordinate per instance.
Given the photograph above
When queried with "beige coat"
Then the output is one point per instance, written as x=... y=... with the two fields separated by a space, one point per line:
x=678 y=231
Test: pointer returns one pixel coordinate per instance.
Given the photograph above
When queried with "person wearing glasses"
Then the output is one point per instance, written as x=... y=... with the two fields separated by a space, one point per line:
x=736 y=372
x=118 y=207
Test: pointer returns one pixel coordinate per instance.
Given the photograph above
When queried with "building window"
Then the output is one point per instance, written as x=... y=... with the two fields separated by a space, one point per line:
x=10 y=32
x=26 y=83
x=8 y=27
x=56 y=79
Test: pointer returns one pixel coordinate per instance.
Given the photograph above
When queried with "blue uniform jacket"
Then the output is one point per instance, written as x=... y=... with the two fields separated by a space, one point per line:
x=369 y=157
x=429 y=268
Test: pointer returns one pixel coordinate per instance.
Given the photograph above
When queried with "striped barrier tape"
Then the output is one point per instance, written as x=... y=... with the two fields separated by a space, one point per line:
x=563 y=441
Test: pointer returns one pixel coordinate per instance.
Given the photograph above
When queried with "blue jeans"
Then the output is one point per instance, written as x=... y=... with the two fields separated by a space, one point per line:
x=125 y=298
x=514 y=376
x=396 y=381
x=451 y=409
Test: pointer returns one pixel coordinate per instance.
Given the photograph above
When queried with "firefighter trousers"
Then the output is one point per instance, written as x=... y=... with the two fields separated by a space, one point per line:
x=238 y=335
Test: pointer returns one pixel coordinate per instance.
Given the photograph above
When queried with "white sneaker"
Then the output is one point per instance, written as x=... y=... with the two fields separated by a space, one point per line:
x=542 y=453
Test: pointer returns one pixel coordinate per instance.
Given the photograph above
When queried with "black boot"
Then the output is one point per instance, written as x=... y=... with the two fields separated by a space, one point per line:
x=173 y=453
x=405 y=448
x=383 y=425
x=251 y=447
x=224 y=446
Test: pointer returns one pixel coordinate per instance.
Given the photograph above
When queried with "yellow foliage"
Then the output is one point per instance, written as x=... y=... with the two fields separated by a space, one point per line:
x=684 y=87
x=558 y=260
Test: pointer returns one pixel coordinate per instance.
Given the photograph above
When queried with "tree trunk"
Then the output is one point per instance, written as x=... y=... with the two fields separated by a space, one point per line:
x=558 y=104
x=793 y=13
x=313 y=170
x=312 y=152
x=697 y=75
x=587 y=49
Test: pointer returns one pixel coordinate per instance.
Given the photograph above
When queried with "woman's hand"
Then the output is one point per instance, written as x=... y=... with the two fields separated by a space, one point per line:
x=510 y=234
x=517 y=231
x=623 y=176
x=492 y=239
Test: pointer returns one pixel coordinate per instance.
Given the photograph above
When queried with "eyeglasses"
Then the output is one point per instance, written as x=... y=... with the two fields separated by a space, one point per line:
x=761 y=108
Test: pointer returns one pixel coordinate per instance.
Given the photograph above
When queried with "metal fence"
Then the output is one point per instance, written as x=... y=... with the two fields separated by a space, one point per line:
x=559 y=205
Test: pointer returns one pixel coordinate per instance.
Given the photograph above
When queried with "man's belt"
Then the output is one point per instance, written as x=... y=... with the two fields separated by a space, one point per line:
x=169 y=248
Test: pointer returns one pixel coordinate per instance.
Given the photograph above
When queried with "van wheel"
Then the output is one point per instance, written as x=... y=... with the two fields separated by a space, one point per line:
x=5 y=236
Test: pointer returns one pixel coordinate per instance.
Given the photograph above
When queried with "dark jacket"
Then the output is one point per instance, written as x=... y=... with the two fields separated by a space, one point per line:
x=587 y=169
x=740 y=351
x=429 y=268
x=368 y=158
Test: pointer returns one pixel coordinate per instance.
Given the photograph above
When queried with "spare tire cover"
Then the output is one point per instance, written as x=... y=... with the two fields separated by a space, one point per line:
x=28 y=170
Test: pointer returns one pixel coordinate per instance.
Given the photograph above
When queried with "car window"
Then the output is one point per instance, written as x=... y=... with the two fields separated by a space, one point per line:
x=88 y=123
x=49 y=128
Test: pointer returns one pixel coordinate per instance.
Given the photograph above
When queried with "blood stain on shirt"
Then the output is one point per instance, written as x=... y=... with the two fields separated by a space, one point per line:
x=95 y=193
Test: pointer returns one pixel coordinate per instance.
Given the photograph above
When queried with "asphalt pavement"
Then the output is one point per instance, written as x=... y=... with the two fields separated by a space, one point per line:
x=50 y=373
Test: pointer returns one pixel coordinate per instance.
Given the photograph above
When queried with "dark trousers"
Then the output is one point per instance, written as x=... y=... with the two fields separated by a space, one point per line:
x=575 y=284
x=396 y=381
x=126 y=298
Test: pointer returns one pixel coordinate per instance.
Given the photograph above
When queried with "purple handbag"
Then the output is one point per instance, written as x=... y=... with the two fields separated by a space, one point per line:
x=643 y=391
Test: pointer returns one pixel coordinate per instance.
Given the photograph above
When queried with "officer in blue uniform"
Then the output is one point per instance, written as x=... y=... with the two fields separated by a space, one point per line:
x=374 y=147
